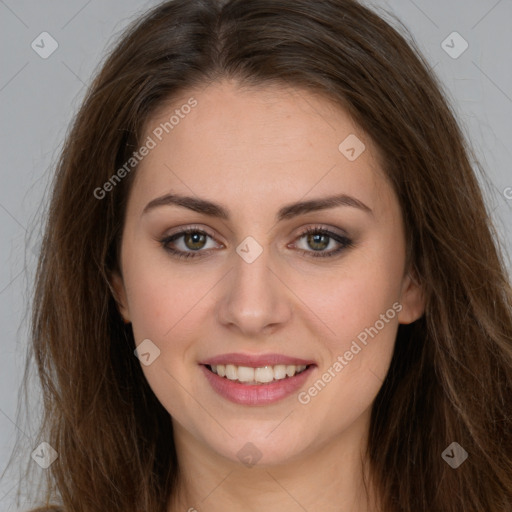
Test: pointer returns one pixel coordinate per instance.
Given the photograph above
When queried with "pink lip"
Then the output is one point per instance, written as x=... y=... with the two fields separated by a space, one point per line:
x=257 y=394
x=255 y=361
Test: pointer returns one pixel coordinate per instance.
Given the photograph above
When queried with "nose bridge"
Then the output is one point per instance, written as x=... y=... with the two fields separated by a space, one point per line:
x=254 y=298
x=252 y=267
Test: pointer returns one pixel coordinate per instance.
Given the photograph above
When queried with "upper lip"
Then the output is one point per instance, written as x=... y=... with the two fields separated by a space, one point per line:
x=256 y=360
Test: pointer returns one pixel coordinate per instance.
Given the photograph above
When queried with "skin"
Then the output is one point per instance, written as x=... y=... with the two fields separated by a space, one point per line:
x=254 y=151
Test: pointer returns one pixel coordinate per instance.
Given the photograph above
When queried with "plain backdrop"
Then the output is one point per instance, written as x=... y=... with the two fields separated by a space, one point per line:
x=39 y=96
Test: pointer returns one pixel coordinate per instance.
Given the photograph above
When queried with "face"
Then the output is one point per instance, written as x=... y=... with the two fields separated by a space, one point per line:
x=299 y=305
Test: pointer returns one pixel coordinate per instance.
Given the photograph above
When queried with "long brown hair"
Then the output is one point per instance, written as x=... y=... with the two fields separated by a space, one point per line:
x=450 y=378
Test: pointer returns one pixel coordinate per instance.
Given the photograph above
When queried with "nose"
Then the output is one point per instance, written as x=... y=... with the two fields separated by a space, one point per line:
x=255 y=300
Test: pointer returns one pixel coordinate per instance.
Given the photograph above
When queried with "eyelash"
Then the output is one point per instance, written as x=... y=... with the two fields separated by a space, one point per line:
x=345 y=242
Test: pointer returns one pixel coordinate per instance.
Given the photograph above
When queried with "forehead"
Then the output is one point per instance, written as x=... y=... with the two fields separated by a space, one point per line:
x=248 y=144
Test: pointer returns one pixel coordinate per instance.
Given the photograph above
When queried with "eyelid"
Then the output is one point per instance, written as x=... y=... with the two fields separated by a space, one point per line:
x=322 y=227
x=188 y=228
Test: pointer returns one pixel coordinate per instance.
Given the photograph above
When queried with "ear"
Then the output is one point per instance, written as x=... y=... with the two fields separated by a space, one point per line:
x=119 y=292
x=412 y=300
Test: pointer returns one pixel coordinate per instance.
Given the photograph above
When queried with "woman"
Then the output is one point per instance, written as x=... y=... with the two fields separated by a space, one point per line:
x=269 y=279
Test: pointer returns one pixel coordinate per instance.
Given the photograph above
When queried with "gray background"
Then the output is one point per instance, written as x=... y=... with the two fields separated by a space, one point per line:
x=38 y=98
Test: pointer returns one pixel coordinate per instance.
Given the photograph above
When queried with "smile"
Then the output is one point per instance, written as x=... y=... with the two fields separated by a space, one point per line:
x=256 y=386
x=254 y=376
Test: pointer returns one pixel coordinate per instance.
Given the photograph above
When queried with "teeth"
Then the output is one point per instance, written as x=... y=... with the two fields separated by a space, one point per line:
x=279 y=371
x=265 y=374
x=261 y=375
x=245 y=374
x=231 y=372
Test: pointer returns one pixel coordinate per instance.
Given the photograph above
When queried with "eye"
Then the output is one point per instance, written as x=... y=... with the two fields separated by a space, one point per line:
x=319 y=238
x=195 y=239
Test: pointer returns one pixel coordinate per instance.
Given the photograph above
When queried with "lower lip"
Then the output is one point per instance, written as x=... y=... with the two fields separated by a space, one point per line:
x=257 y=394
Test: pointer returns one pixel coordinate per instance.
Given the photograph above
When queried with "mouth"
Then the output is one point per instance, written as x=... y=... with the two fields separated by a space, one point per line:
x=256 y=381
x=260 y=375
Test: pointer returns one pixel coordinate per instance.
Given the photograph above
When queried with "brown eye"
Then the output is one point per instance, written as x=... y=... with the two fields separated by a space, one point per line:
x=193 y=241
x=196 y=240
x=318 y=239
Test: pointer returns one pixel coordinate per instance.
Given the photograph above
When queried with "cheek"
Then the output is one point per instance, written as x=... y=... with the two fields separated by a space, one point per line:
x=160 y=297
x=354 y=297
x=162 y=310
x=362 y=319
x=358 y=308
x=166 y=308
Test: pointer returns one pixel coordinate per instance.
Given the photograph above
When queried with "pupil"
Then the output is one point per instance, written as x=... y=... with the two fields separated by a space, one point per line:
x=195 y=239
x=315 y=237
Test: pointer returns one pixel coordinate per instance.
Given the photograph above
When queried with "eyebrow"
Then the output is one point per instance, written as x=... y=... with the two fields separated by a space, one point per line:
x=289 y=211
